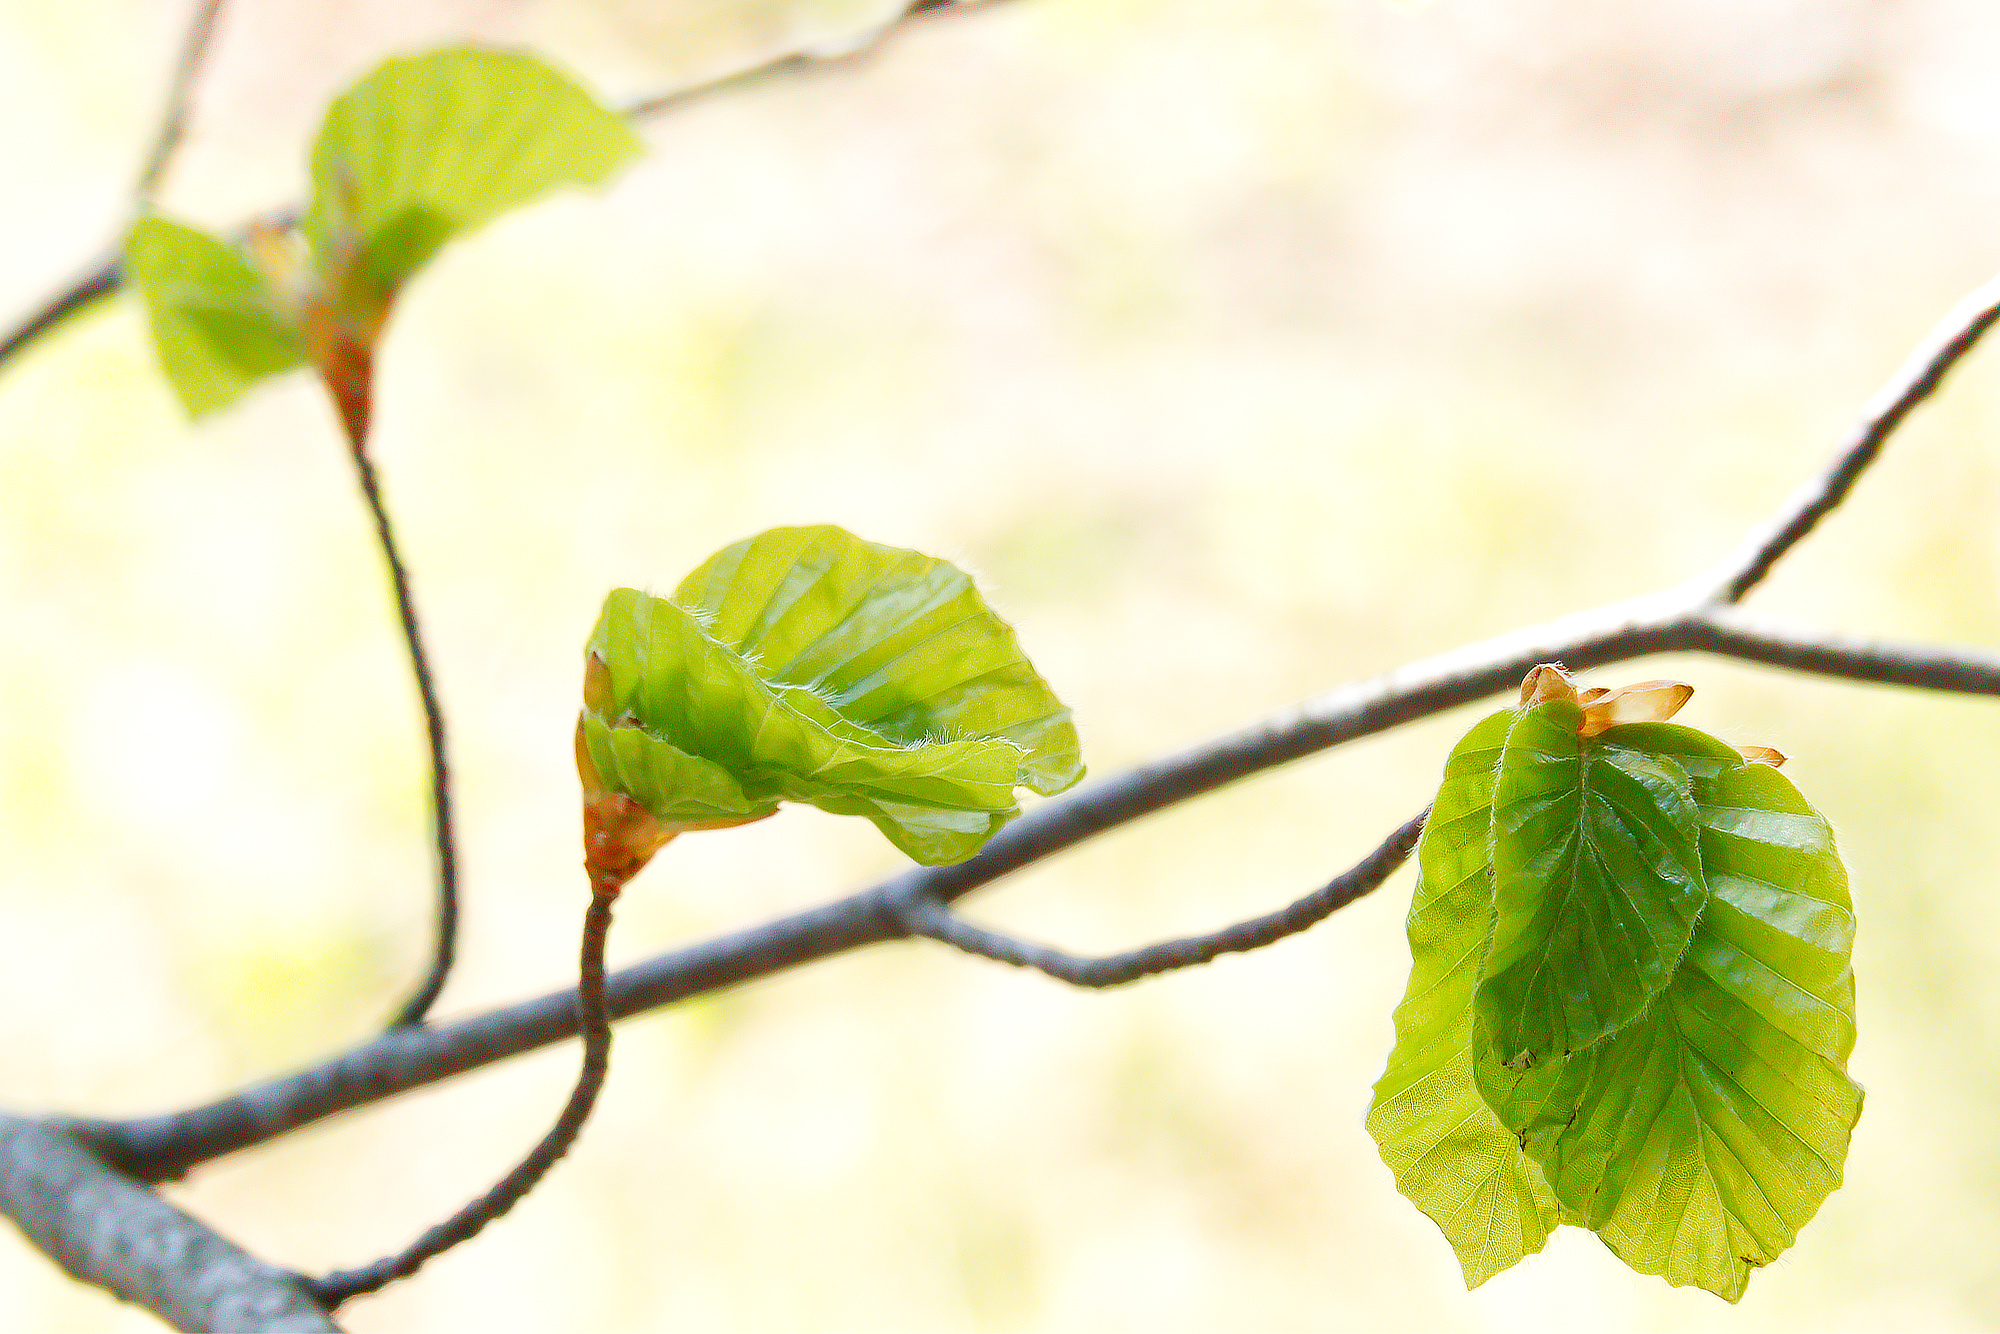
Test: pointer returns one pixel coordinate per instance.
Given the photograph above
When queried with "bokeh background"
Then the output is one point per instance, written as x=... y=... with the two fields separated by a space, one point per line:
x=1242 y=349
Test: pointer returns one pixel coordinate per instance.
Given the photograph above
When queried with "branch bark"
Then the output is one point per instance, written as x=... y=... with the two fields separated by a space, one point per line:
x=927 y=917
x=104 y=1228
x=163 y=1147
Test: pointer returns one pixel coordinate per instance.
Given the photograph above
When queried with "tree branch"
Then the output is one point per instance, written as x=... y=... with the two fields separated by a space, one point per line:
x=925 y=916
x=1916 y=380
x=798 y=61
x=103 y=279
x=1690 y=618
x=180 y=100
x=162 y=1147
x=106 y=1229
x=594 y=1021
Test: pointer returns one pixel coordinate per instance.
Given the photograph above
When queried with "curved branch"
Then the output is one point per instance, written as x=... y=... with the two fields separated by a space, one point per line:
x=444 y=839
x=180 y=99
x=927 y=917
x=161 y=1147
x=101 y=281
x=107 y=1229
x=468 y=1222
x=1914 y=381
x=798 y=61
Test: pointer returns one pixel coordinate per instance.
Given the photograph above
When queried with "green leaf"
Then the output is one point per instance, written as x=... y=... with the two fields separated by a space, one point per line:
x=429 y=147
x=216 y=327
x=807 y=665
x=1701 y=1135
x=1597 y=885
x=1708 y=1132
x=1450 y=1154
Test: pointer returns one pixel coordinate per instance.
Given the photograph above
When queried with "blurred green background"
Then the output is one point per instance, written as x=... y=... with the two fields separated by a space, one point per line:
x=1242 y=349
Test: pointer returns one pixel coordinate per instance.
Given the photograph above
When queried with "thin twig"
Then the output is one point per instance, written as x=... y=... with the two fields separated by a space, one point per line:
x=105 y=278
x=795 y=61
x=442 y=834
x=925 y=916
x=101 y=281
x=1916 y=380
x=180 y=100
x=594 y=1022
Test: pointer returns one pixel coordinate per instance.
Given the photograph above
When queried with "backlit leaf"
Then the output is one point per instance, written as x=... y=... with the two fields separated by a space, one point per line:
x=428 y=147
x=1450 y=1154
x=216 y=327
x=1698 y=1136
x=807 y=665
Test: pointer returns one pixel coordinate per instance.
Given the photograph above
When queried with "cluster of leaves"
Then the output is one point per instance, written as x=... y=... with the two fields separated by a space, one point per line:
x=1630 y=1001
x=807 y=665
x=424 y=149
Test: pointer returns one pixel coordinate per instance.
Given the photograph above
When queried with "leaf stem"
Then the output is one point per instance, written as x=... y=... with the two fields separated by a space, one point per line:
x=594 y=1022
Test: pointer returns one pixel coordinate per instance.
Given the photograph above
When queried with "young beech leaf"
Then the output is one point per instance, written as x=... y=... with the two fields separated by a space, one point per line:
x=429 y=147
x=805 y=664
x=1449 y=1153
x=1710 y=1130
x=1596 y=881
x=1697 y=1138
x=217 y=327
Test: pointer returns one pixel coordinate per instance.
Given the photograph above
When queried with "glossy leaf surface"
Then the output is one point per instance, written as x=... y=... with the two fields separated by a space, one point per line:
x=216 y=327
x=1597 y=883
x=1698 y=1137
x=429 y=147
x=807 y=665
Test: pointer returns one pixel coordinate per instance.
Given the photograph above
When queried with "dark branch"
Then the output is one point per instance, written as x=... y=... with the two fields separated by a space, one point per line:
x=1958 y=669
x=927 y=917
x=467 y=1223
x=1916 y=380
x=163 y=1147
x=107 y=1229
x=99 y=282
x=443 y=837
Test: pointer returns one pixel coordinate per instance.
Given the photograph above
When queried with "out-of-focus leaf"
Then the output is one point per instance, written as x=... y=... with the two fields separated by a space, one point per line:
x=807 y=665
x=1450 y=1155
x=216 y=327
x=428 y=147
x=1597 y=883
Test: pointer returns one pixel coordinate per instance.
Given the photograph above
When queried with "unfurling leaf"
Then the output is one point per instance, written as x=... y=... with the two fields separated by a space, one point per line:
x=1706 y=1125
x=424 y=149
x=217 y=326
x=807 y=665
x=429 y=147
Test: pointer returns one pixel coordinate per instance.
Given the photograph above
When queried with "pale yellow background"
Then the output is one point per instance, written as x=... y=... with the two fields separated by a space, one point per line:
x=1243 y=348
